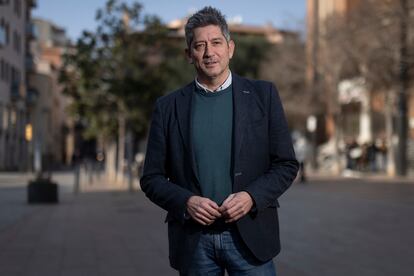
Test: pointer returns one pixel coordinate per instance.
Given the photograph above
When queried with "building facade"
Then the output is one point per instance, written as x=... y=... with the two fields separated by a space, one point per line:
x=350 y=110
x=15 y=32
x=270 y=33
x=48 y=115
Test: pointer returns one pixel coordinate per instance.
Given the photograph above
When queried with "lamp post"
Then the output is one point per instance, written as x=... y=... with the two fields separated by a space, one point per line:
x=402 y=121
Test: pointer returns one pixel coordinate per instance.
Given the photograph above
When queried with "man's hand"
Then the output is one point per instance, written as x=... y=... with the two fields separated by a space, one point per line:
x=236 y=206
x=203 y=210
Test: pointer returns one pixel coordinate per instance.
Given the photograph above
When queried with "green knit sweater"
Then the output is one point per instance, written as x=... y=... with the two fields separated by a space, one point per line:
x=212 y=127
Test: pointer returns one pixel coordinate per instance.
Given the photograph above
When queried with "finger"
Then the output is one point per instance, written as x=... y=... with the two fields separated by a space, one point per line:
x=213 y=205
x=213 y=208
x=214 y=212
x=228 y=199
x=202 y=209
x=206 y=214
x=205 y=220
x=233 y=205
x=228 y=203
x=200 y=221
x=235 y=217
x=230 y=213
x=197 y=212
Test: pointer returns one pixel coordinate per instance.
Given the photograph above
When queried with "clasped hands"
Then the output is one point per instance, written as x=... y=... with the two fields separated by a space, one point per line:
x=205 y=211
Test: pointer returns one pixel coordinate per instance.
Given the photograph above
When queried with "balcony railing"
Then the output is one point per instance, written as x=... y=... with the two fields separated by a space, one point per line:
x=30 y=64
x=31 y=3
x=17 y=91
x=31 y=31
x=4 y=2
x=32 y=96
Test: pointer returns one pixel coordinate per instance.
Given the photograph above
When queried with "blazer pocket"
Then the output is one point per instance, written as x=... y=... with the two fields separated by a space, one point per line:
x=257 y=123
x=168 y=218
x=275 y=204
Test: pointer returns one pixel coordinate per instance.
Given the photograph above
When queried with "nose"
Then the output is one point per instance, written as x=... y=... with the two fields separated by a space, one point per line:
x=207 y=51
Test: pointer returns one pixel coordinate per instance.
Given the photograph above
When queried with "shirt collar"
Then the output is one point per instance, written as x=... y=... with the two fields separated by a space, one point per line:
x=225 y=85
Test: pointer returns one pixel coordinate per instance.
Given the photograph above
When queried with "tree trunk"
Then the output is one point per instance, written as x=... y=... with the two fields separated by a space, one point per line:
x=110 y=160
x=121 y=149
x=389 y=103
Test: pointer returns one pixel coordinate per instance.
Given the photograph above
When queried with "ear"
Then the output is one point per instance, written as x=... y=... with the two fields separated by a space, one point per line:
x=232 y=46
x=188 y=55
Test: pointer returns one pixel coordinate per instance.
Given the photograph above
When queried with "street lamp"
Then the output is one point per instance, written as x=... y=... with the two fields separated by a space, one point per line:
x=402 y=121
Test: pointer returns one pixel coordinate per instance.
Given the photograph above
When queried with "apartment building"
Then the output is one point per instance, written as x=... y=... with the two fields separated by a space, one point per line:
x=360 y=113
x=15 y=32
x=269 y=32
x=48 y=117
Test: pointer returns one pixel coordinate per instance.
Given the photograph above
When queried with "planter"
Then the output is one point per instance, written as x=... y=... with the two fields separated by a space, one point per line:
x=42 y=190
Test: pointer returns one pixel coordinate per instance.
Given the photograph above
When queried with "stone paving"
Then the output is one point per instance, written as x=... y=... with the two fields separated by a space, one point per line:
x=328 y=227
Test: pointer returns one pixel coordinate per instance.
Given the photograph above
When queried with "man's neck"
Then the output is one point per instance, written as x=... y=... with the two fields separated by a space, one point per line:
x=213 y=83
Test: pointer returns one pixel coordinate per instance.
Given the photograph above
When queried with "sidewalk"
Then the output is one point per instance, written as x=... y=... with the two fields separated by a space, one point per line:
x=333 y=226
x=320 y=175
x=99 y=232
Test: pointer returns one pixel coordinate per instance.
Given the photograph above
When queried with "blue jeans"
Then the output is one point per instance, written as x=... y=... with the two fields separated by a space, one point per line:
x=225 y=251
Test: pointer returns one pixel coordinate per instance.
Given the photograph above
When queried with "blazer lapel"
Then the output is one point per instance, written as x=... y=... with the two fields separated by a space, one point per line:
x=184 y=115
x=241 y=99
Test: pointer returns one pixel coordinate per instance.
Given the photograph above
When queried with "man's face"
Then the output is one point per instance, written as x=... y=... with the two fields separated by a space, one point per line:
x=210 y=53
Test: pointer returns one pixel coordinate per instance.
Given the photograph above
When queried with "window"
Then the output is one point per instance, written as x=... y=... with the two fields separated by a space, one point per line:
x=13 y=118
x=2 y=36
x=5 y=121
x=18 y=76
x=2 y=69
x=13 y=74
x=7 y=29
x=4 y=2
x=18 y=7
x=19 y=43
x=2 y=33
x=1 y=118
x=16 y=42
x=6 y=72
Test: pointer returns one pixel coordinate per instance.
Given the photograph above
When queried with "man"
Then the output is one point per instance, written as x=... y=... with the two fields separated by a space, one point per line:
x=219 y=155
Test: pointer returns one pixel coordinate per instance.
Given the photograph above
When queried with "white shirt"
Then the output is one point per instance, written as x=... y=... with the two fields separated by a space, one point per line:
x=225 y=84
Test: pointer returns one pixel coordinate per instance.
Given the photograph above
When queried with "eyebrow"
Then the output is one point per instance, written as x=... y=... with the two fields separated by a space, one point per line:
x=204 y=41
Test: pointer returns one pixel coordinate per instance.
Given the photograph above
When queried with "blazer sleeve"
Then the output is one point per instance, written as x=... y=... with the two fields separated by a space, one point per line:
x=154 y=182
x=283 y=165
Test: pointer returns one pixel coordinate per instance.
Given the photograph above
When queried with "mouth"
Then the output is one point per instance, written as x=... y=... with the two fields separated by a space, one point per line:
x=210 y=63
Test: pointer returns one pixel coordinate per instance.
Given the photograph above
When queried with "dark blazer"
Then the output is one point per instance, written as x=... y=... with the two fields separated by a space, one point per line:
x=264 y=165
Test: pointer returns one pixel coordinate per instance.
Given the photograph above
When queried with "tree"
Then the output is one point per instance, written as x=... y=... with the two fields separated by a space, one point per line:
x=250 y=53
x=366 y=44
x=115 y=73
x=284 y=66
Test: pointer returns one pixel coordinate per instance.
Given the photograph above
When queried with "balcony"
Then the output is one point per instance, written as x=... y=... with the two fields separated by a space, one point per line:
x=31 y=31
x=15 y=91
x=4 y=2
x=31 y=3
x=30 y=64
x=32 y=96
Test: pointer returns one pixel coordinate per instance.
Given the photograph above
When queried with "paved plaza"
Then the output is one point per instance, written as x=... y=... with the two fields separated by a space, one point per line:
x=329 y=227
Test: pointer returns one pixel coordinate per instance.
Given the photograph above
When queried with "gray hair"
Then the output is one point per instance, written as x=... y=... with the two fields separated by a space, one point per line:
x=204 y=17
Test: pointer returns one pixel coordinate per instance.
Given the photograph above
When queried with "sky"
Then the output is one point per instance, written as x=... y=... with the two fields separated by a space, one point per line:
x=78 y=15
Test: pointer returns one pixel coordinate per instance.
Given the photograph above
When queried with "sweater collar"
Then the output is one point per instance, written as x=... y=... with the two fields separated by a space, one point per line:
x=225 y=85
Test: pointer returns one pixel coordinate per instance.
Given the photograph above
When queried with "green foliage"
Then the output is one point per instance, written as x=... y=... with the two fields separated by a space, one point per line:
x=120 y=69
x=250 y=53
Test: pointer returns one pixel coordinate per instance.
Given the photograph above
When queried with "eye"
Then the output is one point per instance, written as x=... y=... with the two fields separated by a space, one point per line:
x=199 y=46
